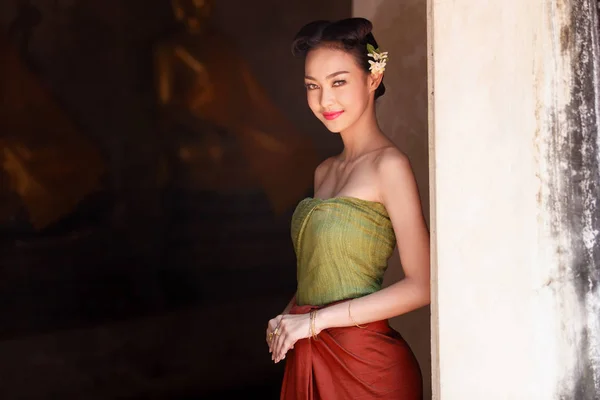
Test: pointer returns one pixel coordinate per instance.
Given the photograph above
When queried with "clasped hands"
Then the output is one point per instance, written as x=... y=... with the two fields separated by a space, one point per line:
x=284 y=331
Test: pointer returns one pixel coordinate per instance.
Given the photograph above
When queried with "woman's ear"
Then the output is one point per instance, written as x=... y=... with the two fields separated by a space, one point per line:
x=374 y=80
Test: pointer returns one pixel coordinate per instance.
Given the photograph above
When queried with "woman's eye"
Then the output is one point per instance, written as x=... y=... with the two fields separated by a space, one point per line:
x=310 y=86
x=339 y=83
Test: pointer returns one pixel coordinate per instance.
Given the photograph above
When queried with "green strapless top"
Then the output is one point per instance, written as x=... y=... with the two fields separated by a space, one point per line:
x=342 y=248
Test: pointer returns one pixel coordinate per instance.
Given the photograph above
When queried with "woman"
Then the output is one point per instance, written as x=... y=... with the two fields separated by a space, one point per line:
x=334 y=333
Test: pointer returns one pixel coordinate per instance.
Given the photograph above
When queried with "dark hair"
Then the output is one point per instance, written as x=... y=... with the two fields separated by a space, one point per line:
x=351 y=35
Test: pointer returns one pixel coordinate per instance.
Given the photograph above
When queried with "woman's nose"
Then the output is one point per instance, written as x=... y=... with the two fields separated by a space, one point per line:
x=327 y=98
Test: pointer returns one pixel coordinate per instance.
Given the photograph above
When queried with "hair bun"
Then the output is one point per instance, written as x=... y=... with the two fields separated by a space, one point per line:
x=350 y=31
x=353 y=28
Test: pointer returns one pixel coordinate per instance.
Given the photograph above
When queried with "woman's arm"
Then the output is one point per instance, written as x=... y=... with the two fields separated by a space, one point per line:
x=399 y=194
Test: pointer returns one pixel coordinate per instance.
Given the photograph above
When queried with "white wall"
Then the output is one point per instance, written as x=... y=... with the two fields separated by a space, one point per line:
x=515 y=216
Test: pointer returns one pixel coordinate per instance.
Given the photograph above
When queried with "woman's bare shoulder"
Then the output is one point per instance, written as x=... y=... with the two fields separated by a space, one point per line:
x=391 y=157
x=394 y=172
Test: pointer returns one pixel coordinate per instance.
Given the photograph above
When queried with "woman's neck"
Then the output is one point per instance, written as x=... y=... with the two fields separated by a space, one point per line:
x=362 y=137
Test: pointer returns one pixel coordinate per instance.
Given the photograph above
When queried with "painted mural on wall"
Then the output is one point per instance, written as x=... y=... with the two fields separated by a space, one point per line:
x=239 y=138
x=45 y=160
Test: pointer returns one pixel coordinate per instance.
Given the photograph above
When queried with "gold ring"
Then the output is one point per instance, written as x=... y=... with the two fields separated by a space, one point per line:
x=270 y=336
x=276 y=332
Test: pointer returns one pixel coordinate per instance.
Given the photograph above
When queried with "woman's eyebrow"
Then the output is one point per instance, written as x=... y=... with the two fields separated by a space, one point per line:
x=328 y=76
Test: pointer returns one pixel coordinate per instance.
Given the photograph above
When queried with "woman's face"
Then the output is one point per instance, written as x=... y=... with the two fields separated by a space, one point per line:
x=337 y=88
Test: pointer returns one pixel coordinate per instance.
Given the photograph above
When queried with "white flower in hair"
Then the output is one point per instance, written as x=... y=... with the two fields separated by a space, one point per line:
x=379 y=59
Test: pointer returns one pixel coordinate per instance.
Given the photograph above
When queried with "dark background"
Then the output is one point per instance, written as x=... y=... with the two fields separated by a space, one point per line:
x=146 y=291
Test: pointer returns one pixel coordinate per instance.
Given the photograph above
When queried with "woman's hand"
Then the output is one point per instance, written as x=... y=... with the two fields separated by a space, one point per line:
x=284 y=331
x=271 y=327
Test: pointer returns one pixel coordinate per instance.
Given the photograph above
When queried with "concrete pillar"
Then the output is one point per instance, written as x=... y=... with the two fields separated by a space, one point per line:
x=400 y=28
x=515 y=199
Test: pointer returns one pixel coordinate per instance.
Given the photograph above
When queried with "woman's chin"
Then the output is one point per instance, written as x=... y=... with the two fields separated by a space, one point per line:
x=334 y=126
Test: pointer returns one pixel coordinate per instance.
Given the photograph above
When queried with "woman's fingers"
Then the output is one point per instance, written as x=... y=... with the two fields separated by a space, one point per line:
x=277 y=337
x=284 y=341
x=285 y=346
x=281 y=339
x=272 y=331
x=269 y=334
x=290 y=329
x=282 y=333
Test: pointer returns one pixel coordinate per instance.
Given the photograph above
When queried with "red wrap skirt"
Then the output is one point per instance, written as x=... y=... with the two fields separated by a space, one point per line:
x=352 y=363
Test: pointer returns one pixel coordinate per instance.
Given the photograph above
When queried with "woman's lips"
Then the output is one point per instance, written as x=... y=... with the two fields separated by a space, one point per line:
x=332 y=115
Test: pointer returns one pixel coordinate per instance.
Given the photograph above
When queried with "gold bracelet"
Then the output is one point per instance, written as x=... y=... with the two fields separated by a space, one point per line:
x=352 y=319
x=313 y=316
